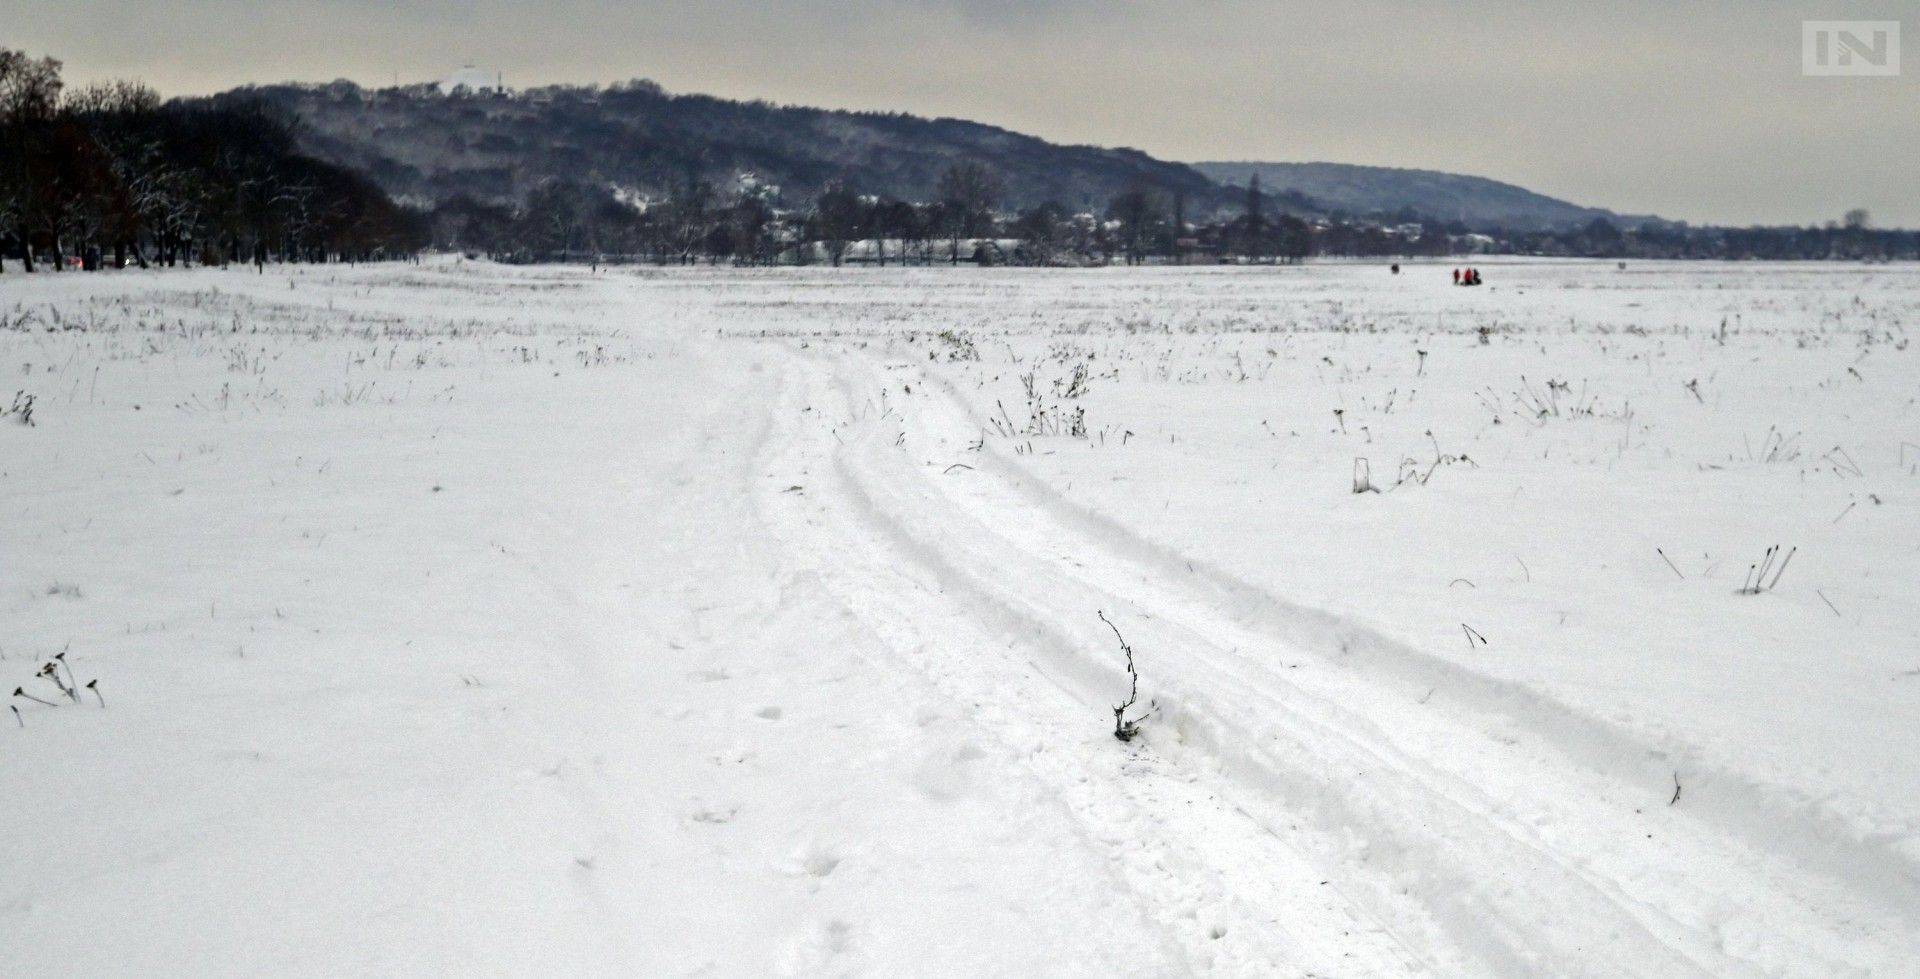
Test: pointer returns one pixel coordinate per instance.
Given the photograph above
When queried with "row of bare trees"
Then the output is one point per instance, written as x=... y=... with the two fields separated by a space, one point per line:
x=749 y=225
x=574 y=220
x=1850 y=239
x=108 y=174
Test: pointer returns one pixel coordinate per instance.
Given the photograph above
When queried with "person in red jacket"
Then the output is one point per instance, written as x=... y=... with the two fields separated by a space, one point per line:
x=1456 y=276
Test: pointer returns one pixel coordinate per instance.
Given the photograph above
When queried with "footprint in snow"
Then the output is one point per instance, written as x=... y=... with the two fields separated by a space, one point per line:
x=812 y=951
x=715 y=817
x=815 y=860
x=949 y=772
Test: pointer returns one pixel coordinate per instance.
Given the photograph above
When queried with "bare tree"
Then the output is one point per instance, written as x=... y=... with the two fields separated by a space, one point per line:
x=29 y=100
x=1139 y=215
x=969 y=192
x=838 y=217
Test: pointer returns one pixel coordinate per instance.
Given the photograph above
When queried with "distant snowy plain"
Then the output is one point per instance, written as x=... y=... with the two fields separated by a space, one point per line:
x=460 y=618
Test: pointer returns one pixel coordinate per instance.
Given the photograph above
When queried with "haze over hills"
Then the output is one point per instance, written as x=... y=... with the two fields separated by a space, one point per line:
x=425 y=146
x=1363 y=190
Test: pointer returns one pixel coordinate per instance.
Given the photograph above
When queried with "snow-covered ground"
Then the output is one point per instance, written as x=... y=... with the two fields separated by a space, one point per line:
x=460 y=618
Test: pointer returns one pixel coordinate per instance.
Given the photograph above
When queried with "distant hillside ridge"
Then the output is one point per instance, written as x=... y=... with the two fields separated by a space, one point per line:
x=426 y=145
x=1384 y=191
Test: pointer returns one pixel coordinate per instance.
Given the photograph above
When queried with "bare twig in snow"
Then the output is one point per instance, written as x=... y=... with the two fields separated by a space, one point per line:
x=1670 y=564
x=22 y=692
x=1123 y=728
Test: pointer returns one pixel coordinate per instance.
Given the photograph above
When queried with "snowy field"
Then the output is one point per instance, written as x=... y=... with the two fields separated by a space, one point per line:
x=464 y=619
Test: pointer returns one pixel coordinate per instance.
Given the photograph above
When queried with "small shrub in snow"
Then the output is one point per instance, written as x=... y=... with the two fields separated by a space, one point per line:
x=1043 y=418
x=51 y=674
x=1123 y=728
x=69 y=687
x=22 y=410
x=1757 y=573
x=1775 y=446
x=960 y=346
x=1560 y=401
x=1073 y=385
x=1410 y=468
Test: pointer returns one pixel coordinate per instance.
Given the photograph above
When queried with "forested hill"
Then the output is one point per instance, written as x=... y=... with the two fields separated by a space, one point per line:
x=1384 y=191
x=426 y=146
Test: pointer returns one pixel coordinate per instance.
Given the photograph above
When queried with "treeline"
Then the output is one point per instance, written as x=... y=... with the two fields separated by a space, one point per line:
x=750 y=225
x=108 y=175
x=1850 y=239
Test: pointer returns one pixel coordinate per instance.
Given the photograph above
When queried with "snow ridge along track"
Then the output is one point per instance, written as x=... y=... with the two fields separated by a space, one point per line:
x=1768 y=816
x=1229 y=888
x=1470 y=832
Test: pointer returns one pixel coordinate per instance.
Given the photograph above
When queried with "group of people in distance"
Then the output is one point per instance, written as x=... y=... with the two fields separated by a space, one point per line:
x=1466 y=277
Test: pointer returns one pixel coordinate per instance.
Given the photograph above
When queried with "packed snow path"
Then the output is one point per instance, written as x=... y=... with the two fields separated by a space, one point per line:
x=1460 y=834
x=728 y=623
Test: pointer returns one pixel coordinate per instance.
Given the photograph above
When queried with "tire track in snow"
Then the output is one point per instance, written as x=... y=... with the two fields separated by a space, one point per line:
x=1235 y=897
x=1505 y=906
x=1561 y=903
x=1776 y=869
x=1858 y=868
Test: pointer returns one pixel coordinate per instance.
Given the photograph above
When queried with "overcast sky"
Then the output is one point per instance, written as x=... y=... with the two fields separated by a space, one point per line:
x=1694 y=109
